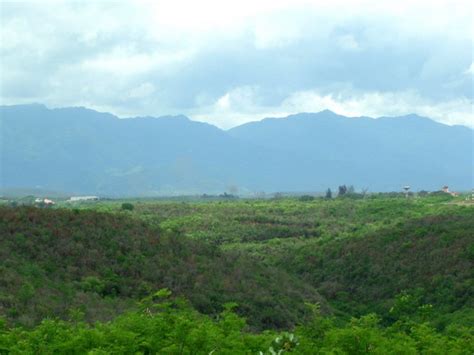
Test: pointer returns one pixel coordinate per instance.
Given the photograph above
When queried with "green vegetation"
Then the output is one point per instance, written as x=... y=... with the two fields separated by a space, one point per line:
x=55 y=261
x=353 y=274
x=127 y=206
x=163 y=325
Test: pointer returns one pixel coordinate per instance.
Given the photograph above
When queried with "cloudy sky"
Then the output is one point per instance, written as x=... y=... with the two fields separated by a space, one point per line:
x=229 y=62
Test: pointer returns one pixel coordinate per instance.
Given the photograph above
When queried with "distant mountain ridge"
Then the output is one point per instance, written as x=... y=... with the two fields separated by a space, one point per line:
x=83 y=151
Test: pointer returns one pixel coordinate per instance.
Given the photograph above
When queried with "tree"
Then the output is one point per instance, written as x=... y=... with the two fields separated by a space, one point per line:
x=127 y=206
x=328 y=193
x=233 y=190
x=342 y=190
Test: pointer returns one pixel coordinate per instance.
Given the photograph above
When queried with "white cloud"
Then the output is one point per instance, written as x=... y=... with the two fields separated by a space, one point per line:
x=243 y=97
x=470 y=70
x=376 y=104
x=126 y=61
x=234 y=109
x=348 y=42
x=141 y=91
x=237 y=106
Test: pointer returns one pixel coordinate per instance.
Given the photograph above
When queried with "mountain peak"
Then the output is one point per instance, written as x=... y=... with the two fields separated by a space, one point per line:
x=327 y=112
x=412 y=118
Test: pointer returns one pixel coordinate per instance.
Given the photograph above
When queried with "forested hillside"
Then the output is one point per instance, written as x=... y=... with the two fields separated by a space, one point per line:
x=54 y=261
x=346 y=275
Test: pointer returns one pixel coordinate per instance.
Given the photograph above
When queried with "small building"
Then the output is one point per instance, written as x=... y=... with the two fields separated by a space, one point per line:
x=44 y=201
x=83 y=198
x=445 y=189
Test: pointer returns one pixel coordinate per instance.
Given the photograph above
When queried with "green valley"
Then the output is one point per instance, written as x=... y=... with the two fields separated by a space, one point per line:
x=379 y=273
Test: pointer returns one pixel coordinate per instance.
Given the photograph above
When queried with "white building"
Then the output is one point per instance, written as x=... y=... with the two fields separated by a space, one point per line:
x=83 y=198
x=46 y=201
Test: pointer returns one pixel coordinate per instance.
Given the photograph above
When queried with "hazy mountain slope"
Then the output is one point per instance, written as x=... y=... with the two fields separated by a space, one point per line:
x=83 y=151
x=382 y=153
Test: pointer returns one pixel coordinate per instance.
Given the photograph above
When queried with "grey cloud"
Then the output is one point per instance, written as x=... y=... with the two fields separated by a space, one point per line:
x=84 y=53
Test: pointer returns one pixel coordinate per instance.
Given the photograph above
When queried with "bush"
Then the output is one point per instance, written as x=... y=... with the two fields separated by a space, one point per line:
x=127 y=206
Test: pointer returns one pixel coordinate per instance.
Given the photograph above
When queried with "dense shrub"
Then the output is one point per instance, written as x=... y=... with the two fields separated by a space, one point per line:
x=127 y=206
x=55 y=260
x=172 y=327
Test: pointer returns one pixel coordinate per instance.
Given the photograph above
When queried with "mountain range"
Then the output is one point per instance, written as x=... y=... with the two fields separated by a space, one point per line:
x=80 y=151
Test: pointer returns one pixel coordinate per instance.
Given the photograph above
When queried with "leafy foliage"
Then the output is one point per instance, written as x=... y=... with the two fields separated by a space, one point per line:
x=127 y=206
x=163 y=325
x=52 y=261
x=352 y=275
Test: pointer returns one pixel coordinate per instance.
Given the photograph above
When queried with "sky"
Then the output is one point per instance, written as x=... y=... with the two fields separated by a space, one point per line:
x=230 y=62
